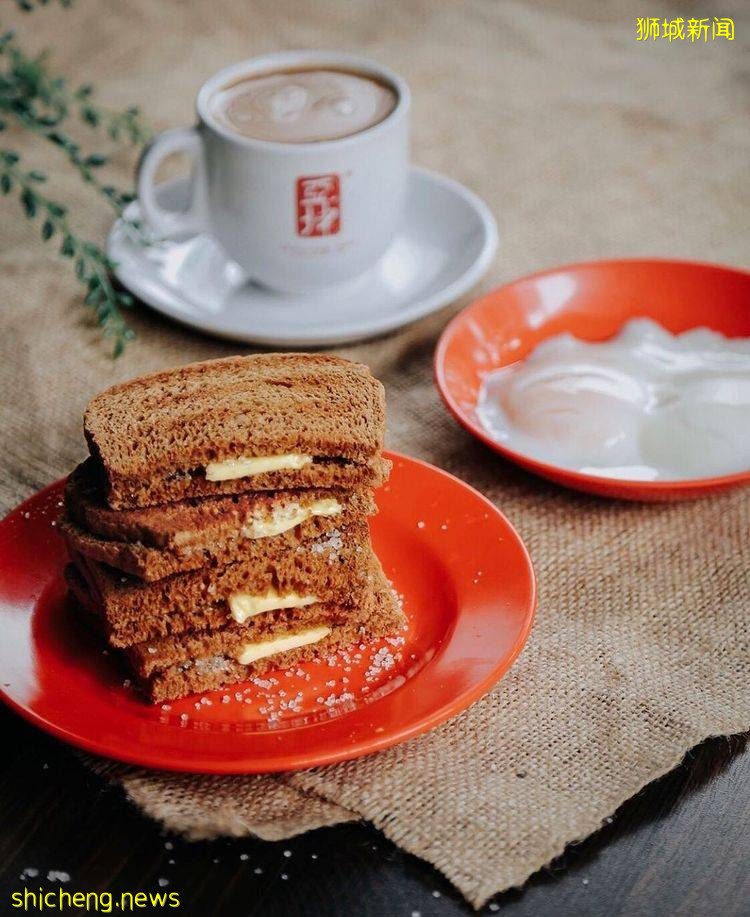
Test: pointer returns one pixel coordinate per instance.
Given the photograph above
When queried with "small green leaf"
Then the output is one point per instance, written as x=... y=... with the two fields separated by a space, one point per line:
x=57 y=210
x=37 y=176
x=9 y=156
x=48 y=230
x=68 y=247
x=80 y=269
x=6 y=183
x=96 y=160
x=28 y=199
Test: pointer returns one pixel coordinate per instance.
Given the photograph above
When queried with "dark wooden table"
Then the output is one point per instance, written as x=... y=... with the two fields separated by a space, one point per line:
x=681 y=847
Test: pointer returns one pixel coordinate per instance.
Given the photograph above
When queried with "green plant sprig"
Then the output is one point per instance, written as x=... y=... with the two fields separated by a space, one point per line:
x=30 y=79
x=40 y=102
x=85 y=165
x=92 y=265
x=28 y=6
x=44 y=104
x=117 y=124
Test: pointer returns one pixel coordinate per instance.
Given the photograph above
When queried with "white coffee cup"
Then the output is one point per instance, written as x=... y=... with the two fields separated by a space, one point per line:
x=251 y=194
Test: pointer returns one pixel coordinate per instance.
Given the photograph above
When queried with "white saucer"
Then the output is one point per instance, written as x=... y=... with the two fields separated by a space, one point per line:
x=447 y=242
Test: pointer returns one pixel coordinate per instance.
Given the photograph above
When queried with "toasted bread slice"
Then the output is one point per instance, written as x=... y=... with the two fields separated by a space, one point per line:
x=194 y=521
x=328 y=569
x=319 y=421
x=153 y=564
x=154 y=542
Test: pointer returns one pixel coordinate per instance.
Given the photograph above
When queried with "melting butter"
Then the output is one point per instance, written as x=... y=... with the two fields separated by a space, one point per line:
x=244 y=605
x=251 y=652
x=246 y=466
x=288 y=517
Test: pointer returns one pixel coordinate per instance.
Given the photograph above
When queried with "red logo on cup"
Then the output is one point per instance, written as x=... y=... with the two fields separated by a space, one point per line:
x=318 y=205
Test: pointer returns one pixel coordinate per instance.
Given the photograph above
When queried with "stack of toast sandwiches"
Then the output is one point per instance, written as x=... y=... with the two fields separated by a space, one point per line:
x=219 y=526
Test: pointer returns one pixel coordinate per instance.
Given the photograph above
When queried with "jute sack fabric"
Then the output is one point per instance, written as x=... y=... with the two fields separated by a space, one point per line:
x=585 y=144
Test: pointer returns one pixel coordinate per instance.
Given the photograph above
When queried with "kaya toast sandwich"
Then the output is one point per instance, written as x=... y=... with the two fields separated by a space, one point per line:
x=262 y=422
x=201 y=546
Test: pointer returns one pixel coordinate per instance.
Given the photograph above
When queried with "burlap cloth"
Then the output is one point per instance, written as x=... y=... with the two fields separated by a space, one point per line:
x=586 y=144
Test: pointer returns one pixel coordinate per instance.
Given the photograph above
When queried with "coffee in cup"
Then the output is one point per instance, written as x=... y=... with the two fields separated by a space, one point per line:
x=303 y=106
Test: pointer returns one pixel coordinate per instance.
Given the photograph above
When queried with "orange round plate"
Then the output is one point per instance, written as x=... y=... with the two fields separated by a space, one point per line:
x=591 y=301
x=469 y=595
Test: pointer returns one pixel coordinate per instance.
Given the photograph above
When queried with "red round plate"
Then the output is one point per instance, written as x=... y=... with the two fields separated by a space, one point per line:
x=468 y=592
x=591 y=301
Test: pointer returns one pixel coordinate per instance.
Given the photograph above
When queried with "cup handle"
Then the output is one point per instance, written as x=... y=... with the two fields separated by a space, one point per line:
x=164 y=222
